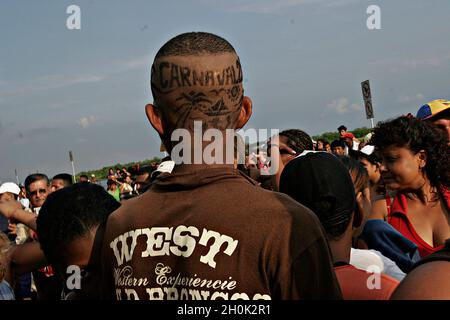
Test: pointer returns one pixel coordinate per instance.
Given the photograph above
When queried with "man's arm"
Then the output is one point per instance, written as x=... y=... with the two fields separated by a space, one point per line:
x=27 y=257
x=13 y=210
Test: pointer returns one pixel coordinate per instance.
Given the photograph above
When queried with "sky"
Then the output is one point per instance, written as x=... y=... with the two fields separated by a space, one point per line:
x=303 y=63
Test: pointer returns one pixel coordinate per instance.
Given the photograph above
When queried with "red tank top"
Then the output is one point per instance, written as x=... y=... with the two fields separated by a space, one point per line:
x=398 y=218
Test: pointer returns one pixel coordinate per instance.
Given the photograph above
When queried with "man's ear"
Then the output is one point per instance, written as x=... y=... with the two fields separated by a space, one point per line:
x=246 y=112
x=358 y=215
x=155 y=118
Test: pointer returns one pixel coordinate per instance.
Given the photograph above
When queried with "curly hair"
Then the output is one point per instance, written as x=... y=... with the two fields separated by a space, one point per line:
x=298 y=140
x=5 y=245
x=416 y=135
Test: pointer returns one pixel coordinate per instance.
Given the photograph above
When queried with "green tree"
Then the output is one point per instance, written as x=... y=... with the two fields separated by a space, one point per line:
x=330 y=136
x=103 y=172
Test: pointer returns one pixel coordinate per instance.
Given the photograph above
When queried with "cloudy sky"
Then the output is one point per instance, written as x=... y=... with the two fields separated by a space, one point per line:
x=303 y=61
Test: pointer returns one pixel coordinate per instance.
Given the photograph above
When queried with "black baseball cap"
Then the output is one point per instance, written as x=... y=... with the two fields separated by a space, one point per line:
x=322 y=183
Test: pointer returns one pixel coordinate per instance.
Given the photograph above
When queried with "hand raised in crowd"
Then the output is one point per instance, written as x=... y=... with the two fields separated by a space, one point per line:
x=9 y=207
x=12 y=209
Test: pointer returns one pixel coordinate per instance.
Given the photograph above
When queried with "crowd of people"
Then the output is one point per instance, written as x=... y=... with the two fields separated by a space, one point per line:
x=352 y=219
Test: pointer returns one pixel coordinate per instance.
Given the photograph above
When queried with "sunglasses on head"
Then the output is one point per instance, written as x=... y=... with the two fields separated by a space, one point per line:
x=34 y=193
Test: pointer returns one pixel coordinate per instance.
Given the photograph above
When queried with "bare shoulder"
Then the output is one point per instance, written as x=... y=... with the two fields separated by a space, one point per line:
x=430 y=281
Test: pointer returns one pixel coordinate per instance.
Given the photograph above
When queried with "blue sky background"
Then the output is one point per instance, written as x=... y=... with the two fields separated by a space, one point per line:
x=303 y=62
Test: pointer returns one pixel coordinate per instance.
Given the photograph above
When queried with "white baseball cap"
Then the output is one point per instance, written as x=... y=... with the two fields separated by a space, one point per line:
x=10 y=187
x=368 y=149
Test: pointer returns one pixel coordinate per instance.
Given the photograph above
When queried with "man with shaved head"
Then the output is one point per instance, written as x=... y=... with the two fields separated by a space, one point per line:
x=197 y=78
x=204 y=230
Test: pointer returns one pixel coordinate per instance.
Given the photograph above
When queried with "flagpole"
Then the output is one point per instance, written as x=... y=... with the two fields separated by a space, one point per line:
x=73 y=166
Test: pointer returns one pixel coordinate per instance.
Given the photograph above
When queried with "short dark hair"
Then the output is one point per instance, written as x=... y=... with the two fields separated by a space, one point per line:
x=342 y=127
x=65 y=177
x=194 y=43
x=416 y=135
x=219 y=103
x=373 y=158
x=338 y=143
x=35 y=177
x=298 y=140
x=70 y=213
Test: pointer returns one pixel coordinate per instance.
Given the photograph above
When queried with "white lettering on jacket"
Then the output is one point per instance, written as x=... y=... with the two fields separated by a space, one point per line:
x=164 y=241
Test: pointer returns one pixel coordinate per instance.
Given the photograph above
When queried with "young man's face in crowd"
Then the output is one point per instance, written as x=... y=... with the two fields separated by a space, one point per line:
x=401 y=168
x=78 y=253
x=348 y=142
x=38 y=192
x=339 y=151
x=319 y=146
x=113 y=186
x=57 y=184
x=372 y=169
x=443 y=123
x=284 y=154
x=7 y=196
x=141 y=180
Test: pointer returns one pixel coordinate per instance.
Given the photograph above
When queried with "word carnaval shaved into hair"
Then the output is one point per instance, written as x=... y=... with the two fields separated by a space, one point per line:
x=171 y=76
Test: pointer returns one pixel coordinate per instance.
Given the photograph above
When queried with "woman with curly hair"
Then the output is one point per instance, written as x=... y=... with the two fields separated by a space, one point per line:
x=416 y=164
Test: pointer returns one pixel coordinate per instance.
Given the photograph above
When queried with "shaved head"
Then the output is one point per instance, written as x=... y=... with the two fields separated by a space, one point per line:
x=197 y=77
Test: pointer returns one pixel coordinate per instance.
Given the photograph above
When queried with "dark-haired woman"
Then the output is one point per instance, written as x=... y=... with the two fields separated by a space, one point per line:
x=416 y=164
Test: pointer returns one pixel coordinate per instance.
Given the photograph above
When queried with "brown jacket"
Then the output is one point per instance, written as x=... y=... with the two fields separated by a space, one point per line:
x=209 y=232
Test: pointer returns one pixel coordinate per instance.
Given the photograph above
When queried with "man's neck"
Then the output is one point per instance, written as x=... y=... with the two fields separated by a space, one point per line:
x=340 y=251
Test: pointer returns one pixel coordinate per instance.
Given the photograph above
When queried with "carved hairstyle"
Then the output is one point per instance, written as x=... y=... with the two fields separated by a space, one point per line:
x=209 y=95
x=194 y=43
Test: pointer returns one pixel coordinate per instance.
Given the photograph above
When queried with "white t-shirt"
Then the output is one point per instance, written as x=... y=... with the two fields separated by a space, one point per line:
x=366 y=259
